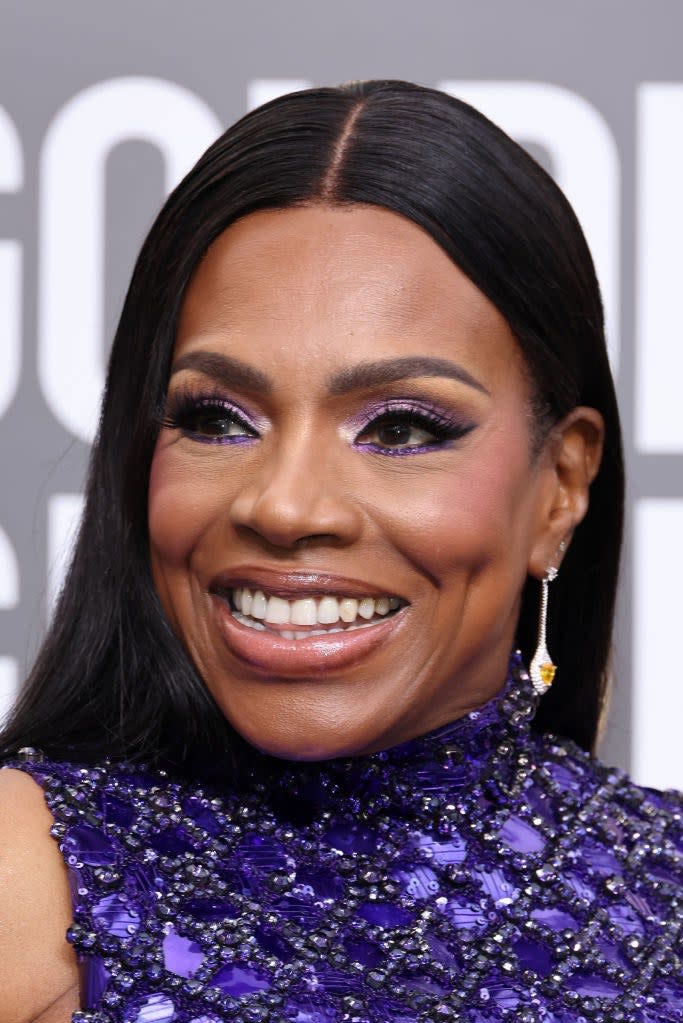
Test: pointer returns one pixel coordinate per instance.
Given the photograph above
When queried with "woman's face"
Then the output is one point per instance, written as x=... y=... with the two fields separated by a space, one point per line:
x=342 y=508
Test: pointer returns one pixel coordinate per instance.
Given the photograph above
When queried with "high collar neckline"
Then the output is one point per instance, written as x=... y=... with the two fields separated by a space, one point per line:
x=455 y=756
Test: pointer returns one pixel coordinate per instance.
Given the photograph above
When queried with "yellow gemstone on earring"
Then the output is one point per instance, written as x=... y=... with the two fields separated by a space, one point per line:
x=547 y=672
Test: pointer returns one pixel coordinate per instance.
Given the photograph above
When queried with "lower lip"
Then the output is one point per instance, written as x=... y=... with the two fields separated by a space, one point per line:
x=274 y=654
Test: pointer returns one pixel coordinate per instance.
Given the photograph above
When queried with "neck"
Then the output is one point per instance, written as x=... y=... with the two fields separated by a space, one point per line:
x=453 y=758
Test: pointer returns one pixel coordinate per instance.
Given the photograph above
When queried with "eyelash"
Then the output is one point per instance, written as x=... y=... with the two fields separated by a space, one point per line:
x=185 y=406
x=443 y=428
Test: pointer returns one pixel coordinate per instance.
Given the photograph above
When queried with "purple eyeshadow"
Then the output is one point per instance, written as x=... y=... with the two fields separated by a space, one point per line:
x=445 y=427
x=186 y=406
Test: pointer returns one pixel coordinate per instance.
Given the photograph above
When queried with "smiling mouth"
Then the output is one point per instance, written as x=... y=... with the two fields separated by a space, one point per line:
x=308 y=616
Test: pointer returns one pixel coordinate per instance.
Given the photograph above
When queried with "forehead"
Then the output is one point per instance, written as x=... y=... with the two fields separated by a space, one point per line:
x=343 y=282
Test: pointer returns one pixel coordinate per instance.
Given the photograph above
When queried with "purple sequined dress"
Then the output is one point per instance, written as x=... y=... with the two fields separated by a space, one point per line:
x=479 y=873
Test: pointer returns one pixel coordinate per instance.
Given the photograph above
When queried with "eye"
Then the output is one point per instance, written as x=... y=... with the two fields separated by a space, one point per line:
x=214 y=421
x=399 y=431
x=410 y=429
x=207 y=419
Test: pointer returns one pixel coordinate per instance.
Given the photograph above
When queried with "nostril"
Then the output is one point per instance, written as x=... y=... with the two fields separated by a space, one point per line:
x=275 y=522
x=296 y=510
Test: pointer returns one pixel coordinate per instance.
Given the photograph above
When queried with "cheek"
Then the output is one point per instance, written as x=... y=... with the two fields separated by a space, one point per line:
x=181 y=506
x=467 y=518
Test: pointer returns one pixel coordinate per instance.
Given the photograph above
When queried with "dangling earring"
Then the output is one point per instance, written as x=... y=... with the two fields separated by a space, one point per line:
x=542 y=670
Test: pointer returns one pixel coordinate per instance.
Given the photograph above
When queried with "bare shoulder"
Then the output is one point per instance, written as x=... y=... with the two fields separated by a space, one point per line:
x=38 y=970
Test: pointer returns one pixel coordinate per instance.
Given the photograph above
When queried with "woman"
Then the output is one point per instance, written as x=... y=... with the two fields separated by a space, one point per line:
x=356 y=404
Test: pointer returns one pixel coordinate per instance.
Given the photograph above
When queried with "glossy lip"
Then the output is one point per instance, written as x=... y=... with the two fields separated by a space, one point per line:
x=295 y=585
x=273 y=655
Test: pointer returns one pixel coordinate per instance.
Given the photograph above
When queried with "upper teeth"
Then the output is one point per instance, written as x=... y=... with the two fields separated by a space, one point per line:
x=310 y=610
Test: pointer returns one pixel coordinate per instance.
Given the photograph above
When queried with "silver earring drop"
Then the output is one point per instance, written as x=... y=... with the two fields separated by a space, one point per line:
x=542 y=670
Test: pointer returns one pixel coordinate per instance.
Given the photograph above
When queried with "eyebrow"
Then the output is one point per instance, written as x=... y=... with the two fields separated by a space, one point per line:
x=226 y=370
x=233 y=372
x=388 y=371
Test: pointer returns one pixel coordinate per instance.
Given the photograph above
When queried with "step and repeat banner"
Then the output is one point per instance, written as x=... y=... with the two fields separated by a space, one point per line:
x=103 y=108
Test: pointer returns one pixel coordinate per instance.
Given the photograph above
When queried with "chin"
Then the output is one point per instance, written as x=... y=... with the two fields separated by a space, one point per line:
x=311 y=719
x=301 y=748
x=306 y=741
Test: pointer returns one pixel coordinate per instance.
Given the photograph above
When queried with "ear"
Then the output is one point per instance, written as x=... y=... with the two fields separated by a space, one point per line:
x=569 y=463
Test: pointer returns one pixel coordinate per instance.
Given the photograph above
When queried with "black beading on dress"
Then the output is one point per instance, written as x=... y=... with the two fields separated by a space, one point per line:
x=479 y=873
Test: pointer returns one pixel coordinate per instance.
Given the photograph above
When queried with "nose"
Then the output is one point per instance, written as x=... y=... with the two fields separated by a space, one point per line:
x=296 y=495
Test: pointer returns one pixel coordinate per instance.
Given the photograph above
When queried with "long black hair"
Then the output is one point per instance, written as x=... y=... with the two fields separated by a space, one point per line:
x=111 y=677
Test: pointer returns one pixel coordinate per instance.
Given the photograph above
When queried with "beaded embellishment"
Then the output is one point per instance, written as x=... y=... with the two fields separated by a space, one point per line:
x=480 y=873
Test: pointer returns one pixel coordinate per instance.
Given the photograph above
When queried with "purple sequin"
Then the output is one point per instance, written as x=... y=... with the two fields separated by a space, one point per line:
x=479 y=874
x=182 y=956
